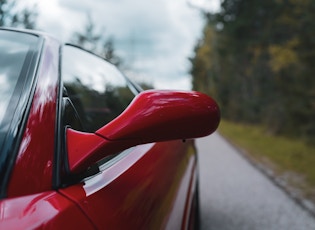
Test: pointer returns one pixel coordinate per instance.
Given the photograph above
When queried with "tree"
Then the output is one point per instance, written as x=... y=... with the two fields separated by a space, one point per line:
x=10 y=16
x=108 y=52
x=256 y=57
x=89 y=38
x=94 y=41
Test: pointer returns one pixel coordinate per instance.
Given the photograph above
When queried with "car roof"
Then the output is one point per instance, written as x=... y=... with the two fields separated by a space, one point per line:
x=29 y=31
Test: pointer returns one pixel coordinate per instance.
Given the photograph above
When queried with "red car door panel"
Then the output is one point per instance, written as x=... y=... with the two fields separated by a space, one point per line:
x=141 y=190
x=48 y=210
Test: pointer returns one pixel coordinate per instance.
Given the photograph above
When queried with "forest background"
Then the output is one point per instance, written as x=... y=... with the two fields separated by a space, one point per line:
x=257 y=58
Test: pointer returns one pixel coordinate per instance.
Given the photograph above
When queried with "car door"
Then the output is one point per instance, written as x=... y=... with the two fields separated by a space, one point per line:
x=142 y=189
x=30 y=79
x=145 y=187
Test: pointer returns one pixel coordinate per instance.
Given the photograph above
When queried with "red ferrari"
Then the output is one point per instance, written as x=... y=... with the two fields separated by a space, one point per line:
x=83 y=147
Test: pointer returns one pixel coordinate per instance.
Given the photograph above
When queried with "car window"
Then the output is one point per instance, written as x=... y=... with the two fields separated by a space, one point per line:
x=14 y=49
x=19 y=53
x=96 y=88
x=12 y=56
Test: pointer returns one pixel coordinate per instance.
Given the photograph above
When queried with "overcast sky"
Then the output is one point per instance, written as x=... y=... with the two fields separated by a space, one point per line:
x=154 y=38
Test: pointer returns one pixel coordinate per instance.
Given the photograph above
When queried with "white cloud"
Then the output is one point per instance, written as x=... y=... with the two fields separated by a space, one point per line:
x=154 y=37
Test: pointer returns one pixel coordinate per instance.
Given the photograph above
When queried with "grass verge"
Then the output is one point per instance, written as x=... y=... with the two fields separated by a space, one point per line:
x=292 y=160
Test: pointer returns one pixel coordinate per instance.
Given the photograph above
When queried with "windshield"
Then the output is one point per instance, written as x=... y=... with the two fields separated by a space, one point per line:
x=15 y=52
x=12 y=56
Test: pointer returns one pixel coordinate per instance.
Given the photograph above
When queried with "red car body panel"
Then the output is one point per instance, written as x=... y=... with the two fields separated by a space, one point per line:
x=155 y=109
x=149 y=186
x=48 y=210
x=145 y=190
x=32 y=172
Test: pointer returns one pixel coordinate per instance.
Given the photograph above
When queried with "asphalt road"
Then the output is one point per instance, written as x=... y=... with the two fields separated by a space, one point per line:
x=235 y=195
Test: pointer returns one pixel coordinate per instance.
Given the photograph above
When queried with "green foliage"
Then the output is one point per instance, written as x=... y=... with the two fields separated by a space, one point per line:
x=257 y=59
x=145 y=85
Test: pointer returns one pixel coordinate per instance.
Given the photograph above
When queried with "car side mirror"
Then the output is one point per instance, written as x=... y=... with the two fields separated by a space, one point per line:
x=153 y=116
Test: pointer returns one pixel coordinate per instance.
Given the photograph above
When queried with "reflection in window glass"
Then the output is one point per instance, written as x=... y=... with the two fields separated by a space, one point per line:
x=97 y=89
x=12 y=55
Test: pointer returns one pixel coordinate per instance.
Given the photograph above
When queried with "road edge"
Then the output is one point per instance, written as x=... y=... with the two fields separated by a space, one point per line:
x=305 y=204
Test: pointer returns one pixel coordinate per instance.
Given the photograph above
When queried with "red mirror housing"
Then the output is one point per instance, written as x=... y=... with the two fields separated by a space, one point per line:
x=153 y=116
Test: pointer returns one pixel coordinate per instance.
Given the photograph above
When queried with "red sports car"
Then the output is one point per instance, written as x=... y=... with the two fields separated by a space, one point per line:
x=83 y=147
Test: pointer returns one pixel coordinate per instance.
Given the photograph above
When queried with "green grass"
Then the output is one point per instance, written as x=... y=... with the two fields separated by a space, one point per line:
x=283 y=155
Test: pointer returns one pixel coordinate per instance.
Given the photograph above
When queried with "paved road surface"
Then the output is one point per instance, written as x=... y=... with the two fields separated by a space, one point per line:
x=234 y=195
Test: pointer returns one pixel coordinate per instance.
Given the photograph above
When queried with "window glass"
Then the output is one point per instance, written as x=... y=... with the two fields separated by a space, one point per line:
x=98 y=91
x=14 y=50
x=12 y=56
x=17 y=51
